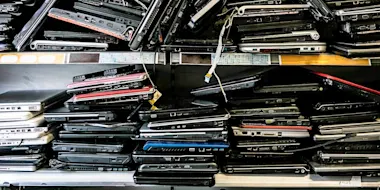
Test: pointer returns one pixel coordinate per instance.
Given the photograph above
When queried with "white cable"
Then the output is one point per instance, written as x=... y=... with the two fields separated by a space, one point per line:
x=146 y=70
x=226 y=12
x=219 y=49
x=221 y=87
x=141 y=4
x=218 y=53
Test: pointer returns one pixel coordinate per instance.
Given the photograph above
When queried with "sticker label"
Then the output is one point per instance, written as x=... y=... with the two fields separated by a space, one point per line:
x=356 y=181
x=243 y=59
x=157 y=95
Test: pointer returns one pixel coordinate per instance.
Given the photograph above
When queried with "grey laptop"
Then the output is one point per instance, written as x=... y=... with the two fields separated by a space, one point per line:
x=30 y=100
x=286 y=47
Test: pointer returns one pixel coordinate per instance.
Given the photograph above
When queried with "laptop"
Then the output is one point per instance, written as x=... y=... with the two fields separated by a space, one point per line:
x=31 y=123
x=108 y=80
x=36 y=149
x=95 y=158
x=146 y=129
x=89 y=147
x=239 y=84
x=199 y=136
x=276 y=168
x=31 y=158
x=62 y=114
x=305 y=35
x=22 y=117
x=271 y=112
x=94 y=135
x=354 y=88
x=347 y=158
x=289 y=88
x=193 y=147
x=251 y=9
x=175 y=179
x=130 y=104
x=148 y=115
x=356 y=50
x=121 y=127
x=285 y=47
x=178 y=168
x=67 y=166
x=30 y=100
x=350 y=3
x=358 y=13
x=275 y=145
x=273 y=131
x=362 y=169
x=189 y=123
x=344 y=117
x=276 y=27
x=347 y=128
x=142 y=157
x=116 y=96
x=359 y=137
x=345 y=106
x=27 y=142
x=23 y=167
x=27 y=133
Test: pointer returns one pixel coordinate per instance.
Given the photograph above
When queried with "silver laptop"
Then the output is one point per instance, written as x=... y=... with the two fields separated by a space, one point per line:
x=29 y=100
x=215 y=120
x=20 y=120
x=358 y=10
x=28 y=142
x=350 y=51
x=313 y=34
x=345 y=156
x=360 y=44
x=363 y=127
x=18 y=116
x=267 y=112
x=248 y=9
x=25 y=133
x=146 y=129
x=292 y=47
x=345 y=168
x=374 y=136
x=263 y=132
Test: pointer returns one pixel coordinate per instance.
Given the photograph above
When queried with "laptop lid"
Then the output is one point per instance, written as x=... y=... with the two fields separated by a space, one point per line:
x=29 y=100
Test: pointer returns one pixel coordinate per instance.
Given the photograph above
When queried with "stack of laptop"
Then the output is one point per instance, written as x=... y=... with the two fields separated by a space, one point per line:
x=99 y=120
x=12 y=14
x=112 y=23
x=359 y=28
x=24 y=134
x=180 y=25
x=277 y=28
x=347 y=130
x=268 y=131
x=180 y=146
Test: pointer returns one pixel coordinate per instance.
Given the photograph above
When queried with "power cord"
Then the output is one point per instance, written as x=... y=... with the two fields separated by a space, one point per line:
x=350 y=135
x=141 y=4
x=145 y=69
x=227 y=25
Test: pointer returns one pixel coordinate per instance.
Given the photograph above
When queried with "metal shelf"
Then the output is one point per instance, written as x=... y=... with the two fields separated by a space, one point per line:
x=182 y=58
x=82 y=58
x=294 y=181
x=269 y=59
x=49 y=177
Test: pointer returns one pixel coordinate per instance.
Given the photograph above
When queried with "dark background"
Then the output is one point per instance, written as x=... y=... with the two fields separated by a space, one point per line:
x=171 y=80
